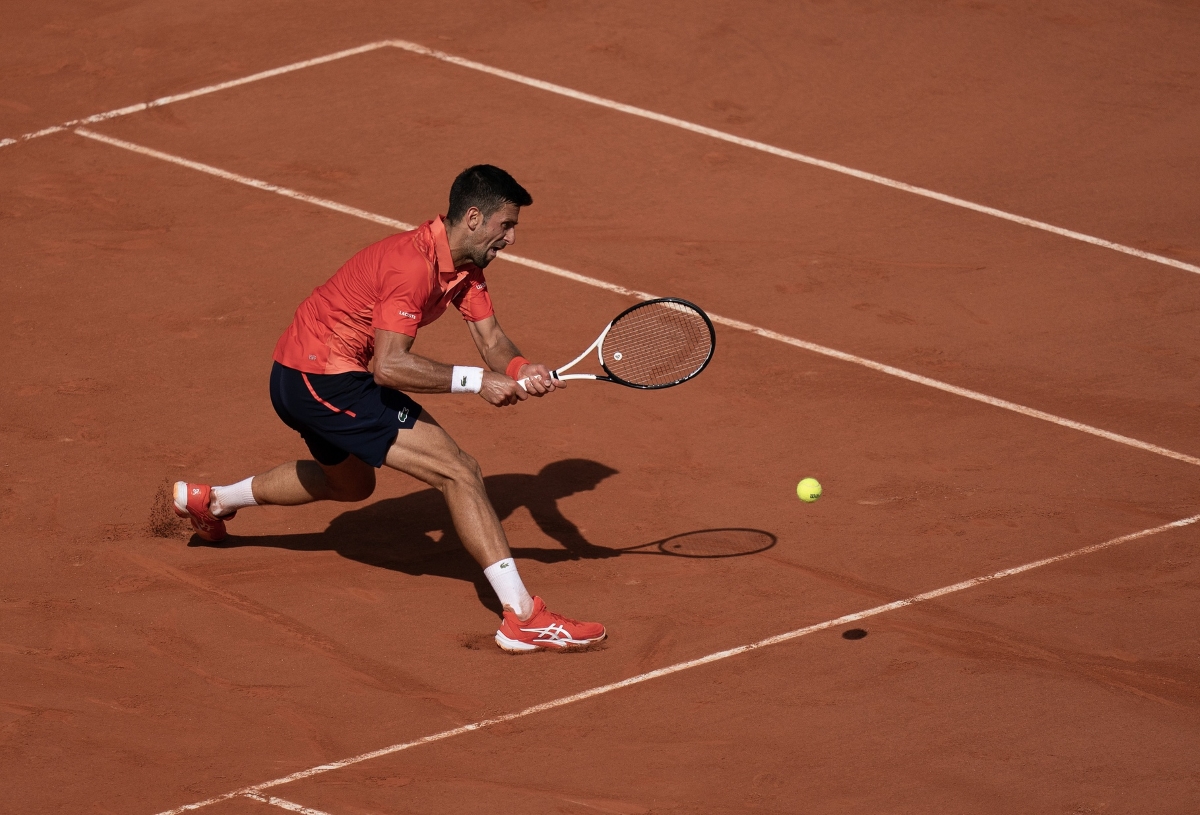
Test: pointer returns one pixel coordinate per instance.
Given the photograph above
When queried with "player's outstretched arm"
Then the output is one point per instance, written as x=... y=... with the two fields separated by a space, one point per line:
x=498 y=351
x=394 y=366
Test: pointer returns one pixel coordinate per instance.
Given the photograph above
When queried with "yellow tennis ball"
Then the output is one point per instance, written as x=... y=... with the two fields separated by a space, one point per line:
x=809 y=490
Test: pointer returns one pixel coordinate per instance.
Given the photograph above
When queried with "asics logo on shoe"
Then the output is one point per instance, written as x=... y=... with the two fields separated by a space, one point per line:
x=195 y=491
x=552 y=633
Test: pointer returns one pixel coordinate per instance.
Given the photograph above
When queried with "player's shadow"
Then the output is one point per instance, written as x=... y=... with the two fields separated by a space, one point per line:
x=413 y=533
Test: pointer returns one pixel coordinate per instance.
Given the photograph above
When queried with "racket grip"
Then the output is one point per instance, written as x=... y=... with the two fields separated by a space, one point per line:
x=524 y=383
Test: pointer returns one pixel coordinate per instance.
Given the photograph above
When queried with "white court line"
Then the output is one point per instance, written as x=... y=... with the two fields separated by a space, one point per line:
x=282 y=803
x=789 y=154
x=416 y=48
x=680 y=666
x=179 y=97
x=249 y=182
x=955 y=389
x=591 y=281
x=716 y=318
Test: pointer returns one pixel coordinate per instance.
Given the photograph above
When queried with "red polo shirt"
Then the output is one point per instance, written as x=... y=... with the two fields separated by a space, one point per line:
x=399 y=284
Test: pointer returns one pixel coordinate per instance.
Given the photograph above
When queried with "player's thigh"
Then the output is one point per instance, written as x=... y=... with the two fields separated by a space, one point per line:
x=350 y=480
x=427 y=452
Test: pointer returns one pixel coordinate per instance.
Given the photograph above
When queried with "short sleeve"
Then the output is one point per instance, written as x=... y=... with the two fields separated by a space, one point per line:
x=473 y=301
x=403 y=291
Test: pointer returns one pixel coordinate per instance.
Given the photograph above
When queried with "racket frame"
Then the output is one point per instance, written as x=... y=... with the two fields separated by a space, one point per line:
x=598 y=347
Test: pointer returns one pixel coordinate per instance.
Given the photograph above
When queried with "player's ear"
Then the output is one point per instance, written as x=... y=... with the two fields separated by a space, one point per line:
x=473 y=218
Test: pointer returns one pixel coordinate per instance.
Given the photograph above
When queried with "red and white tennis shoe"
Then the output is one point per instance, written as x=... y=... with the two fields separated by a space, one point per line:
x=191 y=502
x=546 y=630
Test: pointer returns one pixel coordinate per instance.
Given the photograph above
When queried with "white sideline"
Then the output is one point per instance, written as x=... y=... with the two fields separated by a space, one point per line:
x=789 y=154
x=241 y=179
x=290 y=806
x=257 y=789
x=416 y=48
x=591 y=281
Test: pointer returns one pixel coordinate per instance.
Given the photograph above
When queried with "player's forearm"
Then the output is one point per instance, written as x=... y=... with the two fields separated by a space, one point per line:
x=413 y=374
x=496 y=349
x=499 y=354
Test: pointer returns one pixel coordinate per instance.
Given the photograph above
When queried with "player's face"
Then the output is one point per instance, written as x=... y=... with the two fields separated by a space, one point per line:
x=495 y=233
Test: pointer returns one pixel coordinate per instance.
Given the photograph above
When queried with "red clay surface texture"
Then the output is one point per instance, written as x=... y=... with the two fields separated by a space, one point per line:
x=142 y=670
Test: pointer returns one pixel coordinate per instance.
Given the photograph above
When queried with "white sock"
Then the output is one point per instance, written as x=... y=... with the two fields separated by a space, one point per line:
x=508 y=587
x=229 y=499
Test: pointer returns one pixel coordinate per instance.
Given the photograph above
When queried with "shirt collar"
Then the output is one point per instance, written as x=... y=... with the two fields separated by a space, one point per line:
x=445 y=259
x=441 y=242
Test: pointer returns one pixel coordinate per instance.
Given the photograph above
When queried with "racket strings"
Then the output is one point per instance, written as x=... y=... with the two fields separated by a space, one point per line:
x=659 y=344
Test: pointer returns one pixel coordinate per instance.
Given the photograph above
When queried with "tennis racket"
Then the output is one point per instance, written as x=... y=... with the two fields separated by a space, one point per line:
x=655 y=344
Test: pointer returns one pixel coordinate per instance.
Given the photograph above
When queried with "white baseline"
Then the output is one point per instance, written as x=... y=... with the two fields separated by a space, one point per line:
x=179 y=97
x=673 y=121
x=591 y=281
x=256 y=790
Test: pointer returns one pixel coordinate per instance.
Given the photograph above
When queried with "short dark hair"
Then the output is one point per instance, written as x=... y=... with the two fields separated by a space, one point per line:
x=486 y=188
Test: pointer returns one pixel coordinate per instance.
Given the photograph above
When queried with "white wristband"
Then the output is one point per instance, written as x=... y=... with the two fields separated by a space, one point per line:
x=466 y=380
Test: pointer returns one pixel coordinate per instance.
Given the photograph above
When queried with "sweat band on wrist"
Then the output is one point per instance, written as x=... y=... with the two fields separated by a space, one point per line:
x=514 y=367
x=466 y=380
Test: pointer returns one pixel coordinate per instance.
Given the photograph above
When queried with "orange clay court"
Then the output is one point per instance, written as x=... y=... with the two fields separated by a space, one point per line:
x=952 y=254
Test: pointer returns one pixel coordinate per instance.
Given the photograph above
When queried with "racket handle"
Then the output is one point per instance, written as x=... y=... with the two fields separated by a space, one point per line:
x=524 y=383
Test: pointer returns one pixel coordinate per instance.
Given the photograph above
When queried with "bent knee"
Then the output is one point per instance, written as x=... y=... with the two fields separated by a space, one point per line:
x=464 y=469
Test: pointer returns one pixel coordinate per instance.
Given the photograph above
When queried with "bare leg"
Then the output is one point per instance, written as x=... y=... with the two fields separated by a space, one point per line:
x=429 y=454
x=302 y=482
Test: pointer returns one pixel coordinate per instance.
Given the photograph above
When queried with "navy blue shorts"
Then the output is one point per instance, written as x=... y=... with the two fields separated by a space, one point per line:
x=339 y=415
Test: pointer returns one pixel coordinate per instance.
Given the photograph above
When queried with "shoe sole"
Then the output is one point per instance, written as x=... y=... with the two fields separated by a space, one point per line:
x=520 y=647
x=179 y=499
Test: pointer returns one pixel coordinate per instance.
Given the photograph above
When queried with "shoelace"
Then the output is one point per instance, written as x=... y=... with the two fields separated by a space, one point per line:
x=561 y=620
x=548 y=618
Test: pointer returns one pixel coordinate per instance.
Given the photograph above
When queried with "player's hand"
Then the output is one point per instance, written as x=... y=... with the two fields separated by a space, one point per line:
x=500 y=391
x=538 y=379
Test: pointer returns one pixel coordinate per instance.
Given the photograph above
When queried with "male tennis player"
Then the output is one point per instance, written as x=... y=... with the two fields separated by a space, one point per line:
x=343 y=370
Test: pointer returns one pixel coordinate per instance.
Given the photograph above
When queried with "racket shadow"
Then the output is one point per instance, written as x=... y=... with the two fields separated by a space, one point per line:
x=708 y=543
